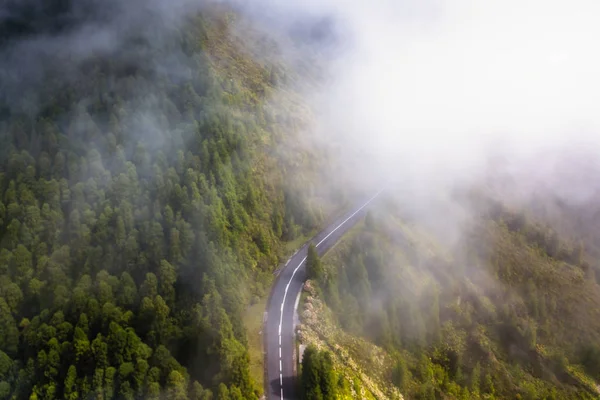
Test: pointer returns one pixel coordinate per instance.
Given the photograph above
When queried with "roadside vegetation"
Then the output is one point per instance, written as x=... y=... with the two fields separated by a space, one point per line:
x=511 y=311
x=359 y=367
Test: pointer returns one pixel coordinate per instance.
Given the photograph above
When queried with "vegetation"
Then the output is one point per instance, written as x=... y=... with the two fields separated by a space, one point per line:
x=360 y=367
x=140 y=214
x=318 y=377
x=314 y=268
x=144 y=205
x=511 y=311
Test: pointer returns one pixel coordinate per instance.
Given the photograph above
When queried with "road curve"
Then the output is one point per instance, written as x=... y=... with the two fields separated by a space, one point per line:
x=279 y=325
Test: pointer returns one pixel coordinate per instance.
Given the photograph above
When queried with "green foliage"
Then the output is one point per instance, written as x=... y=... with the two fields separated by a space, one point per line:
x=400 y=373
x=475 y=379
x=318 y=380
x=502 y=327
x=314 y=267
x=139 y=214
x=591 y=360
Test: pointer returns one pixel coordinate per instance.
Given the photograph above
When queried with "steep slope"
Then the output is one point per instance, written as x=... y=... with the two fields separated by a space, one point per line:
x=511 y=309
x=144 y=202
x=362 y=368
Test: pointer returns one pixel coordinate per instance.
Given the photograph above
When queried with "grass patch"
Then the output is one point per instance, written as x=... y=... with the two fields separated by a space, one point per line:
x=253 y=321
x=293 y=245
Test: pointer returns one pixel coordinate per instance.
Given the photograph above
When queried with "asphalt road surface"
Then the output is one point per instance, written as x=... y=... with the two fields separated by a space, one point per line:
x=279 y=327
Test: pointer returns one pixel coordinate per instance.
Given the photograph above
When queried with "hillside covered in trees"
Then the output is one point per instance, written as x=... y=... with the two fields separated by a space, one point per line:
x=144 y=199
x=510 y=310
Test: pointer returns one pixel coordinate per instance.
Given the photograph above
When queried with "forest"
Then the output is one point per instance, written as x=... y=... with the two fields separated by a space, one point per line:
x=153 y=169
x=510 y=311
x=143 y=207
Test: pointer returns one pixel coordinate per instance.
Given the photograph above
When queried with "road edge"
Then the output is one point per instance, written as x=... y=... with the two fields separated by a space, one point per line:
x=324 y=224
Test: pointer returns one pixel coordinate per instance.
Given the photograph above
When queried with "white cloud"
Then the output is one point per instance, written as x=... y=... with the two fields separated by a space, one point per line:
x=435 y=84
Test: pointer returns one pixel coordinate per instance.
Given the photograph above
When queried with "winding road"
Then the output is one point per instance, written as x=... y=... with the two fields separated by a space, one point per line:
x=280 y=325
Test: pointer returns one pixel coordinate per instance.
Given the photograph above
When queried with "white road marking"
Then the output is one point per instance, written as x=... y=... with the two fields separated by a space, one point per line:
x=297 y=302
x=292 y=278
x=347 y=219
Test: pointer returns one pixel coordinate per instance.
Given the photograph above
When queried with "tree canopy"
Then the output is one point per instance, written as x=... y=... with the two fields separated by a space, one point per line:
x=140 y=212
x=318 y=379
x=511 y=311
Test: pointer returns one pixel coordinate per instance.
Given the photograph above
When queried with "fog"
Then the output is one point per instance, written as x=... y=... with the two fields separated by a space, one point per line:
x=421 y=93
x=415 y=96
x=424 y=87
x=45 y=43
x=428 y=90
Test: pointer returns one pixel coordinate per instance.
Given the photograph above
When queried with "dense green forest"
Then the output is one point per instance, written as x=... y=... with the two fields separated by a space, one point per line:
x=512 y=310
x=143 y=206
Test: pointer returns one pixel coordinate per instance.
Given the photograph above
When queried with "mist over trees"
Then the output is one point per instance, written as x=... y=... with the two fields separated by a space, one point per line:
x=145 y=196
x=510 y=310
x=141 y=207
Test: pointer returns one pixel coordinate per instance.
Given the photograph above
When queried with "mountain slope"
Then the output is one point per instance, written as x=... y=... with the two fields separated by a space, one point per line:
x=143 y=207
x=511 y=309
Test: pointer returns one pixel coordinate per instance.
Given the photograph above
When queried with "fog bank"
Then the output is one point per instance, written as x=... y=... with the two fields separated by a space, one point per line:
x=428 y=90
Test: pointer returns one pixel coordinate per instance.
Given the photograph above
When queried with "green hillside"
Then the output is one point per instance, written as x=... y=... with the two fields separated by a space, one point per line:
x=144 y=205
x=510 y=310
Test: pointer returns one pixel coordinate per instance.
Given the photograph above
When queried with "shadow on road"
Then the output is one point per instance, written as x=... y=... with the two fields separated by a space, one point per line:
x=290 y=388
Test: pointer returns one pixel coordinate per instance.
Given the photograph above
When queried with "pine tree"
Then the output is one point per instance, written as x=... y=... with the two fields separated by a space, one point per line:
x=314 y=267
x=400 y=373
x=70 y=388
x=475 y=379
x=310 y=380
